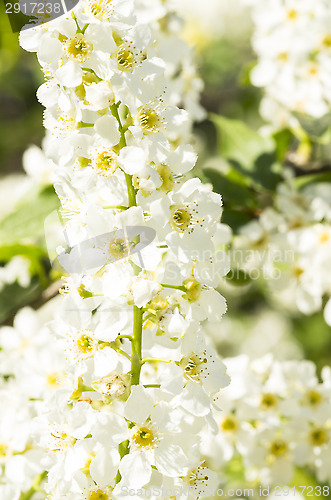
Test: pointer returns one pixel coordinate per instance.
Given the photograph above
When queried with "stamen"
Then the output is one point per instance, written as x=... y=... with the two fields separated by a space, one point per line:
x=77 y=48
x=143 y=437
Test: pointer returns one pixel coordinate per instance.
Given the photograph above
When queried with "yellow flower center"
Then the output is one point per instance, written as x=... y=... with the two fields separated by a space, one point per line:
x=85 y=344
x=53 y=380
x=77 y=48
x=327 y=41
x=229 y=424
x=278 y=448
x=166 y=177
x=268 y=401
x=283 y=56
x=196 y=476
x=292 y=14
x=4 y=451
x=143 y=437
x=313 y=398
x=148 y=120
x=125 y=58
x=180 y=218
x=324 y=237
x=105 y=162
x=118 y=248
x=101 y=9
x=318 y=437
x=98 y=494
x=61 y=441
x=192 y=367
x=313 y=69
x=298 y=272
x=193 y=288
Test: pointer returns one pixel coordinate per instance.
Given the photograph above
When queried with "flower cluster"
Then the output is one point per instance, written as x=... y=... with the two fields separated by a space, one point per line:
x=29 y=372
x=276 y=417
x=289 y=247
x=293 y=42
x=144 y=258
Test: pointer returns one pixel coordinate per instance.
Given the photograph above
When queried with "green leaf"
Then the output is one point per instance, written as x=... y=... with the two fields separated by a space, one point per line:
x=306 y=180
x=235 y=218
x=283 y=139
x=240 y=143
x=315 y=127
x=7 y=252
x=13 y=297
x=266 y=172
x=234 y=193
x=26 y=224
x=238 y=277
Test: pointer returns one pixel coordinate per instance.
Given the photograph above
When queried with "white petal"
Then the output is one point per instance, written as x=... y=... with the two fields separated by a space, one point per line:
x=213 y=303
x=70 y=74
x=170 y=459
x=107 y=128
x=132 y=159
x=50 y=49
x=195 y=400
x=135 y=470
x=104 y=466
x=143 y=291
x=139 y=405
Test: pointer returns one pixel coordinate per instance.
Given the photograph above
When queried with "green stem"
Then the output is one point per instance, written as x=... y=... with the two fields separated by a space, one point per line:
x=84 y=125
x=175 y=287
x=136 y=342
x=155 y=360
x=115 y=113
x=136 y=361
x=123 y=449
x=120 y=351
x=131 y=191
x=116 y=207
x=35 y=487
x=86 y=388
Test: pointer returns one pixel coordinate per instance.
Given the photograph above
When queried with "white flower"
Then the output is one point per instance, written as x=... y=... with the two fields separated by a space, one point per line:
x=155 y=440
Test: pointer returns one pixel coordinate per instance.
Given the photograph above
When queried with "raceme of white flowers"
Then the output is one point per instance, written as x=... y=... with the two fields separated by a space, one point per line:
x=140 y=381
x=289 y=246
x=276 y=418
x=293 y=43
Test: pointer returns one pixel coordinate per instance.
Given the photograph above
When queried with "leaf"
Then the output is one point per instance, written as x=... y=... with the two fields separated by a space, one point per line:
x=238 y=277
x=264 y=174
x=13 y=297
x=7 y=252
x=283 y=139
x=305 y=180
x=235 y=218
x=315 y=127
x=27 y=222
x=233 y=192
x=240 y=143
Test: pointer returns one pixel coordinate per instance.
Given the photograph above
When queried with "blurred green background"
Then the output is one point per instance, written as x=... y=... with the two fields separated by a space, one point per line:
x=20 y=112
